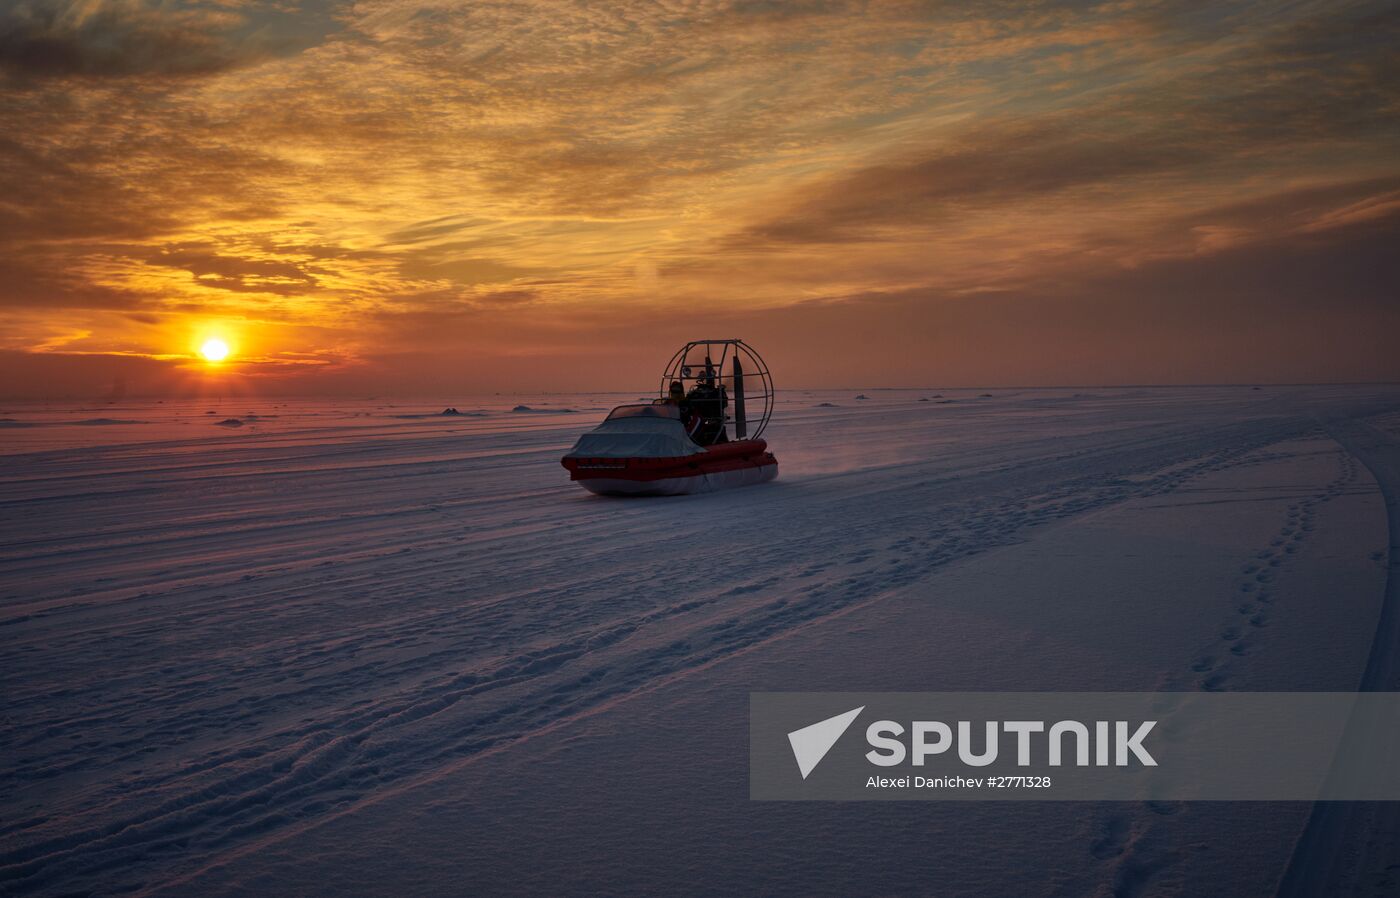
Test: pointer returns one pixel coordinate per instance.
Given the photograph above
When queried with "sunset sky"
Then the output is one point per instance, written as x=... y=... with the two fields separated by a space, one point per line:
x=415 y=197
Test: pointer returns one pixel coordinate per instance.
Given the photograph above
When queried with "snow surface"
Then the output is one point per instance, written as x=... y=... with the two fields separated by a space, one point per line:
x=365 y=648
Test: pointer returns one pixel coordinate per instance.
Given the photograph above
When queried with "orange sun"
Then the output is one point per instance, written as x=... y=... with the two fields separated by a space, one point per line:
x=214 y=350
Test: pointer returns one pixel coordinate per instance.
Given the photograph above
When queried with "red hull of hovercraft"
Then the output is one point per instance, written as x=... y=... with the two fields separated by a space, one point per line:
x=737 y=463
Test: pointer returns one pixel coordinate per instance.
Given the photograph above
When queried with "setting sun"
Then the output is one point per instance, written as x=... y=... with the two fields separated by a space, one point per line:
x=214 y=350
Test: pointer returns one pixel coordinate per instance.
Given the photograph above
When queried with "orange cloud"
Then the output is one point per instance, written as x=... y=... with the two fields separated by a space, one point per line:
x=413 y=183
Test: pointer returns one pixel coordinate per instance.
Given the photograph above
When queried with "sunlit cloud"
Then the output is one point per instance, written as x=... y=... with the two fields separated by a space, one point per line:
x=436 y=186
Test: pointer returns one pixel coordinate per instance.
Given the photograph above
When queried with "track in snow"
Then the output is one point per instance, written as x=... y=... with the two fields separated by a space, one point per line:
x=208 y=639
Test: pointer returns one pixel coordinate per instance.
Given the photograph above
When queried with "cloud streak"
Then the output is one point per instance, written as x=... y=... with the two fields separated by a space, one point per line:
x=396 y=179
x=120 y=38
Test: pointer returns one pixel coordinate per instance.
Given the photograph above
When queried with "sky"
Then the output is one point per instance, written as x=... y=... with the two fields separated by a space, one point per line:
x=420 y=197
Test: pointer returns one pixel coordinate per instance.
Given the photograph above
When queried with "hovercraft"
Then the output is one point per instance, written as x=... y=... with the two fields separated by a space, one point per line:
x=680 y=442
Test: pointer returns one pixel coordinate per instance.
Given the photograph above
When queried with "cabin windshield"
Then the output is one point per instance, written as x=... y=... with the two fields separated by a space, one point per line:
x=658 y=410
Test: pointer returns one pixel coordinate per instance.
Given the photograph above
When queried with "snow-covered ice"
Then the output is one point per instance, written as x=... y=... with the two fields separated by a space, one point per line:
x=366 y=648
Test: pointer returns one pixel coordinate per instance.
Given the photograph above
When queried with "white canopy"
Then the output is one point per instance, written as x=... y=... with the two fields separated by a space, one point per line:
x=636 y=436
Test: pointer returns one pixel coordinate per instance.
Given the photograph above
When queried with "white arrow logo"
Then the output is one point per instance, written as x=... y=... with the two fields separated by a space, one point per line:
x=811 y=743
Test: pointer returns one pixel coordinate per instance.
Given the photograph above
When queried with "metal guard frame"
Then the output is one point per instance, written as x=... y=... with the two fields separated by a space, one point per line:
x=755 y=371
